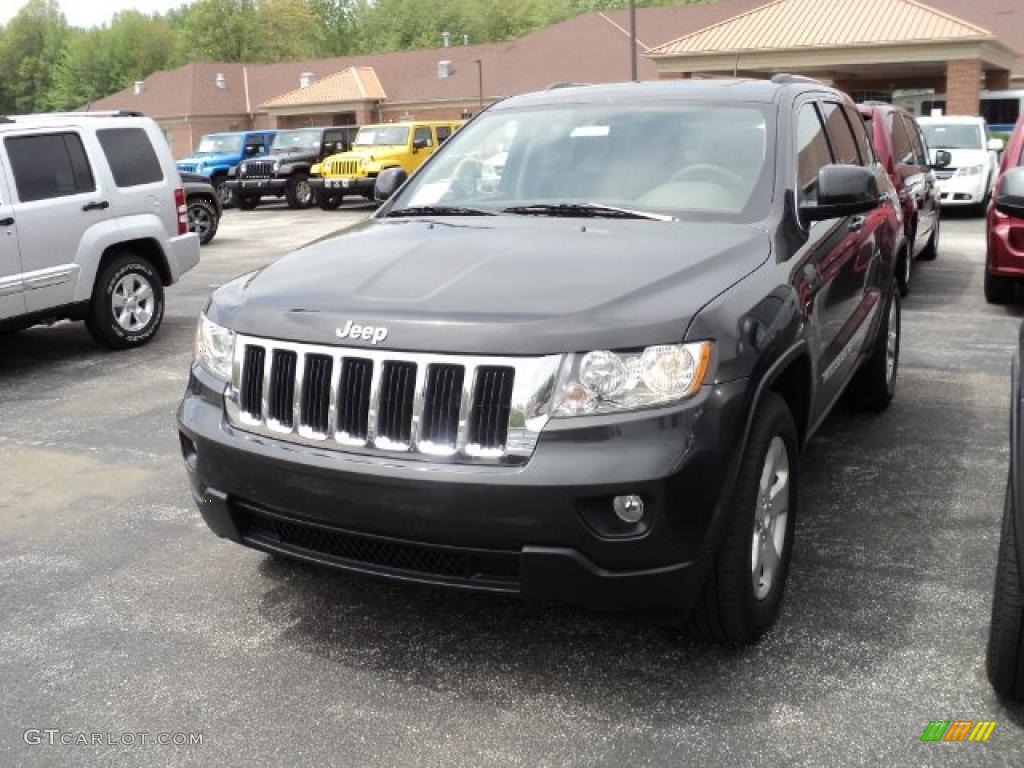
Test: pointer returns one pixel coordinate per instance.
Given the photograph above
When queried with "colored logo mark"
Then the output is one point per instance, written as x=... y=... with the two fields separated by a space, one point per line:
x=958 y=730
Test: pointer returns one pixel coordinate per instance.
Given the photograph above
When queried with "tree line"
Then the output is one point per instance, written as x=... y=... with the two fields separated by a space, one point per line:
x=50 y=65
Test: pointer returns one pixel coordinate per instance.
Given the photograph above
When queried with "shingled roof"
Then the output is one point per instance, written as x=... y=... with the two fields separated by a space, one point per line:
x=352 y=84
x=803 y=24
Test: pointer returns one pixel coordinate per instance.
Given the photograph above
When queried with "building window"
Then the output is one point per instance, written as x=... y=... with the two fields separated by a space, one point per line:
x=1000 y=111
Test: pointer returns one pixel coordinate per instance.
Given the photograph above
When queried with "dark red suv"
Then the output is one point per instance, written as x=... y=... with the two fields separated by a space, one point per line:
x=1004 y=264
x=902 y=150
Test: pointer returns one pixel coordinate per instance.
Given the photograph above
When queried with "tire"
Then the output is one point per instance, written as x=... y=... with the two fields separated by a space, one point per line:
x=740 y=599
x=245 y=202
x=330 y=202
x=203 y=219
x=931 y=251
x=874 y=385
x=903 y=272
x=223 y=192
x=298 y=193
x=126 y=275
x=998 y=289
x=1004 y=659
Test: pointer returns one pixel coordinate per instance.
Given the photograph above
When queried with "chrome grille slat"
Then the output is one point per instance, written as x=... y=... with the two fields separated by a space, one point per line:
x=427 y=407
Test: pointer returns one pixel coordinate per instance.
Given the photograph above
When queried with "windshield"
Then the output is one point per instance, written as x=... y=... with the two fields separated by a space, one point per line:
x=697 y=159
x=382 y=135
x=952 y=136
x=220 y=142
x=293 y=140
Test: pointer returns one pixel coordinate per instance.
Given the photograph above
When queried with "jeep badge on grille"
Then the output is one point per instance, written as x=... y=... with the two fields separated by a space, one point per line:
x=371 y=333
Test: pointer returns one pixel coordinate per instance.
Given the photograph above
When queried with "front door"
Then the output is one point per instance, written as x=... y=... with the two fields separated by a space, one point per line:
x=834 y=264
x=55 y=202
x=12 y=295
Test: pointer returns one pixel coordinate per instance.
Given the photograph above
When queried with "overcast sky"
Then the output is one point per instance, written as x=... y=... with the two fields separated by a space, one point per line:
x=89 y=13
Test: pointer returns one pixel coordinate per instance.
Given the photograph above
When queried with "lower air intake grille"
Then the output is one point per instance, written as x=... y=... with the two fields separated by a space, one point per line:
x=488 y=420
x=499 y=569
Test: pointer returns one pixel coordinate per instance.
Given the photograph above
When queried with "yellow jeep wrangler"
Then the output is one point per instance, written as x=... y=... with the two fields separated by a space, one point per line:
x=376 y=148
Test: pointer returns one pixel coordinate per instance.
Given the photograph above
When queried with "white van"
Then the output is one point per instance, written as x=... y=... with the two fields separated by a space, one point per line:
x=967 y=180
x=93 y=224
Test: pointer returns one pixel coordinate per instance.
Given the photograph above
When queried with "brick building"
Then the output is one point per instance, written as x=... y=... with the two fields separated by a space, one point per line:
x=872 y=48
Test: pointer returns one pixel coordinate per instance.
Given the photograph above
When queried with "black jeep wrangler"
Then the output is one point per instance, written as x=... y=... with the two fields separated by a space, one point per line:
x=285 y=171
x=576 y=356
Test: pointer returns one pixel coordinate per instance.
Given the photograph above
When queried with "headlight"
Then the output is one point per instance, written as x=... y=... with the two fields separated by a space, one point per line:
x=277 y=166
x=214 y=348
x=607 y=382
x=970 y=170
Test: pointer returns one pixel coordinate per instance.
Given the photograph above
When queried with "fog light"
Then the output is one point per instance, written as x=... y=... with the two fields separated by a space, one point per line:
x=629 y=509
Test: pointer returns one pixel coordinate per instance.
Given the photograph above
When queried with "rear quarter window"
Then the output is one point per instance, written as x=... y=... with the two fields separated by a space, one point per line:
x=131 y=156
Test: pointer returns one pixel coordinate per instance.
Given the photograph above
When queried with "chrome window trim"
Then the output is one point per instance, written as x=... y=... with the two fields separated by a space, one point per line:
x=533 y=387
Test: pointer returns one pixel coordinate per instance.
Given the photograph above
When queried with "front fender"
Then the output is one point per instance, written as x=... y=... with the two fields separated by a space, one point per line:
x=104 y=234
x=1016 y=470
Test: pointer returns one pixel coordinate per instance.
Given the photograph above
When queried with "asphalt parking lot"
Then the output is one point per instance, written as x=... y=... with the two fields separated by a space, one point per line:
x=122 y=613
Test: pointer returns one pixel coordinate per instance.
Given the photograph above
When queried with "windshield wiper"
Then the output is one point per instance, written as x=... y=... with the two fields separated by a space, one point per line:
x=437 y=210
x=585 y=210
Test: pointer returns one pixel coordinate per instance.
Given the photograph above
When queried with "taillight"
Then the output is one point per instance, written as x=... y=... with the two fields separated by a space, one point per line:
x=179 y=203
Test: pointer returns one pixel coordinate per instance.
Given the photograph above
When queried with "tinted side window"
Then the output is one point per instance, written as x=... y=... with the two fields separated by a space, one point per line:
x=443 y=132
x=844 y=146
x=49 y=165
x=920 y=156
x=423 y=134
x=902 y=149
x=334 y=141
x=132 y=158
x=862 y=133
x=812 y=149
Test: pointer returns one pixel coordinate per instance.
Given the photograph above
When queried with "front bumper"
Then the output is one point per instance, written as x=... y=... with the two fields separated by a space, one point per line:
x=258 y=186
x=182 y=254
x=543 y=530
x=350 y=186
x=963 y=190
x=1005 y=245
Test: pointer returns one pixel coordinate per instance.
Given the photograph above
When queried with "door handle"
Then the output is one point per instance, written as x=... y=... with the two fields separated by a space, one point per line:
x=8 y=222
x=856 y=223
x=98 y=205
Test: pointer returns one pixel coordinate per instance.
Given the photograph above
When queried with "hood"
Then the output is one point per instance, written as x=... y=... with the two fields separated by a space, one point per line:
x=962 y=157
x=502 y=285
x=289 y=156
x=377 y=153
x=220 y=158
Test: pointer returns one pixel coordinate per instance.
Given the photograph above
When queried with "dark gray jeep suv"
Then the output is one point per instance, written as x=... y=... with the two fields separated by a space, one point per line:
x=576 y=356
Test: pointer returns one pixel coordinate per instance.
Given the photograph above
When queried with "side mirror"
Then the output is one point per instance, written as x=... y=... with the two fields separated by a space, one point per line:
x=996 y=145
x=388 y=183
x=1009 y=198
x=943 y=159
x=843 y=190
x=419 y=144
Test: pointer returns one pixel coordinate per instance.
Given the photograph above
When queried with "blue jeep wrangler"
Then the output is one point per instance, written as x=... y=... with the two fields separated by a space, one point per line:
x=217 y=153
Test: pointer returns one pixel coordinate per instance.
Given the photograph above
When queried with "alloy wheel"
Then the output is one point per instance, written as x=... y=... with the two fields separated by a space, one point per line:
x=770 y=519
x=133 y=302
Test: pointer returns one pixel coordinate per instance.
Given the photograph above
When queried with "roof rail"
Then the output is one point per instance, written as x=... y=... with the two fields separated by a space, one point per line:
x=556 y=86
x=785 y=78
x=101 y=113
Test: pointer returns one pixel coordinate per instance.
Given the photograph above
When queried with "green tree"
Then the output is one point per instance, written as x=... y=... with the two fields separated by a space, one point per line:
x=31 y=45
x=286 y=29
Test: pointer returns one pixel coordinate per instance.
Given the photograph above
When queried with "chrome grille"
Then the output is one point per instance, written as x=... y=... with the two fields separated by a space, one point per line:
x=430 y=407
x=945 y=173
x=261 y=169
x=342 y=168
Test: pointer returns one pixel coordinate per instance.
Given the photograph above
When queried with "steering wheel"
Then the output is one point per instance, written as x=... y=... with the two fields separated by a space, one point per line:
x=716 y=174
